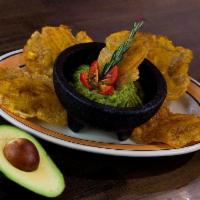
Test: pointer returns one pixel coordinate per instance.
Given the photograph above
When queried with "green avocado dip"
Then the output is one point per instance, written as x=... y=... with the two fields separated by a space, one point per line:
x=127 y=95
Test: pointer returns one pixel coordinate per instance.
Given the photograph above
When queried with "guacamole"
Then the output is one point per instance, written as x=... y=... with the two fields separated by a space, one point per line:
x=124 y=96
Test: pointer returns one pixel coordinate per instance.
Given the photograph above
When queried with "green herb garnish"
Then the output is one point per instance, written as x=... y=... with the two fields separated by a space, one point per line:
x=117 y=55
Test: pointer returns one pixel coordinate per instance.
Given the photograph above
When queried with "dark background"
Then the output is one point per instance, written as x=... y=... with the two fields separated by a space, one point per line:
x=90 y=176
x=177 y=19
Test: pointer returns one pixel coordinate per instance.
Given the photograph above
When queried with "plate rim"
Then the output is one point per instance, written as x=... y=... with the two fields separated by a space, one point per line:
x=93 y=149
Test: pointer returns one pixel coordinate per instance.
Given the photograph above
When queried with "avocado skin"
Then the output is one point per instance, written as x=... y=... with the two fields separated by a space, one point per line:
x=46 y=170
x=2 y=176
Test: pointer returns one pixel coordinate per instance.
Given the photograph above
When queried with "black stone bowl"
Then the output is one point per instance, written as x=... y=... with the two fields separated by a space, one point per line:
x=83 y=111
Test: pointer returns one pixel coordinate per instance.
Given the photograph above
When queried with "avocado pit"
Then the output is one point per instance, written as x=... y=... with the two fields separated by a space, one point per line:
x=22 y=154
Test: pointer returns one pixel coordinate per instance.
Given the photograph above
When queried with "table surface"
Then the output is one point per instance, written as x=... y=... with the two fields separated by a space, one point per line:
x=90 y=176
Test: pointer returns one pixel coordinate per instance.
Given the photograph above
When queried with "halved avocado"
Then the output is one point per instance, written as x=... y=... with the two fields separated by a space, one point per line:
x=46 y=180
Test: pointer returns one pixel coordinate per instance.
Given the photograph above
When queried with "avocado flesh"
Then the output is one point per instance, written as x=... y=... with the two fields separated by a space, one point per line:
x=46 y=180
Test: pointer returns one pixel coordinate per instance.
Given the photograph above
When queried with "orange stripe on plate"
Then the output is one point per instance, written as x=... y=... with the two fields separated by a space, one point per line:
x=194 y=90
x=13 y=61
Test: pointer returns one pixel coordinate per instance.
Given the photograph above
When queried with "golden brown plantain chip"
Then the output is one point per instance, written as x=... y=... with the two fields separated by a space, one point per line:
x=42 y=48
x=28 y=91
x=83 y=37
x=172 y=61
x=128 y=66
x=31 y=96
x=174 y=129
x=9 y=73
x=104 y=57
x=113 y=41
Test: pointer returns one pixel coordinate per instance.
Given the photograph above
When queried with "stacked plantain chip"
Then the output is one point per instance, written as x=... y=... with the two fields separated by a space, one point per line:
x=28 y=91
x=172 y=61
x=174 y=129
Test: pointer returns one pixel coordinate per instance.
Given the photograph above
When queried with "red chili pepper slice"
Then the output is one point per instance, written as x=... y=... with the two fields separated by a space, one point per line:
x=84 y=80
x=112 y=76
x=94 y=73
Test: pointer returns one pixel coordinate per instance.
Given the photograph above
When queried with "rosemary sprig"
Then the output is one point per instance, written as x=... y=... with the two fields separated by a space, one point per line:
x=118 y=54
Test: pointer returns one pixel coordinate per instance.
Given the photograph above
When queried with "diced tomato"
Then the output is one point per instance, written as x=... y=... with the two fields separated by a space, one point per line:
x=94 y=73
x=112 y=76
x=84 y=80
x=106 y=89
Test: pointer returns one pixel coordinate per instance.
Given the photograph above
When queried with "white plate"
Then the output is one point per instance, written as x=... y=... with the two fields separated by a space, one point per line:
x=97 y=141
